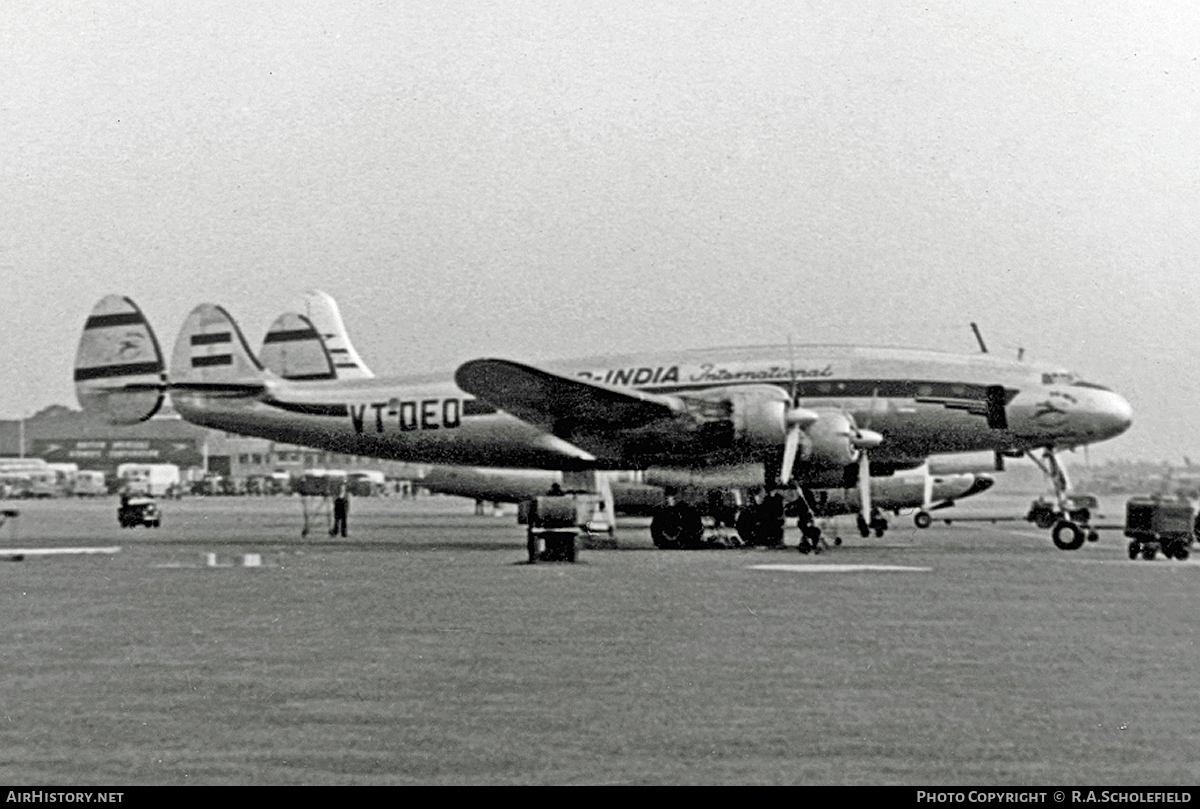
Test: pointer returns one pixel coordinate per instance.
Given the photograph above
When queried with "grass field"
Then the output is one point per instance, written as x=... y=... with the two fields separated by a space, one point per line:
x=422 y=651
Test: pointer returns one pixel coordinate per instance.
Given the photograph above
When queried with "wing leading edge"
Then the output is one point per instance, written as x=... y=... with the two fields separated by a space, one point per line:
x=550 y=400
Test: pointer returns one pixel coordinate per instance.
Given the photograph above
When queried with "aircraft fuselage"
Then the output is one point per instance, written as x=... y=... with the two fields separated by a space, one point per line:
x=922 y=402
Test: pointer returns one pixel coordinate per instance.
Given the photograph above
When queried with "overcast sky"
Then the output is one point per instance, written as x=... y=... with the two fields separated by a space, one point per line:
x=542 y=180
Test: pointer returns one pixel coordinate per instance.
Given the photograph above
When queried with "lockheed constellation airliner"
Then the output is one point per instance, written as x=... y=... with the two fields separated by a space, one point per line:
x=822 y=416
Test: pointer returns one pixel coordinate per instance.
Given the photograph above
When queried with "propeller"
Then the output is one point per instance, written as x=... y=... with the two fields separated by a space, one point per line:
x=866 y=439
x=796 y=420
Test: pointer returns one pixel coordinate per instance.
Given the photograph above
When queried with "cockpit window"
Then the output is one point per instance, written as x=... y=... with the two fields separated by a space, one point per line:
x=1058 y=378
x=1082 y=384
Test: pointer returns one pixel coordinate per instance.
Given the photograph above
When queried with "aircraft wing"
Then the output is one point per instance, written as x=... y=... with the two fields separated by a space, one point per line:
x=552 y=400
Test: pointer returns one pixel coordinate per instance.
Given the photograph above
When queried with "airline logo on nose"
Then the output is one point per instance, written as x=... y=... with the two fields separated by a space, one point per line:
x=1055 y=406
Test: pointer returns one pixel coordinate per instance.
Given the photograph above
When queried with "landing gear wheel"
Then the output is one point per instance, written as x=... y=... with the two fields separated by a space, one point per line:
x=880 y=526
x=746 y=525
x=676 y=527
x=810 y=539
x=922 y=519
x=1134 y=549
x=759 y=526
x=1067 y=536
x=770 y=532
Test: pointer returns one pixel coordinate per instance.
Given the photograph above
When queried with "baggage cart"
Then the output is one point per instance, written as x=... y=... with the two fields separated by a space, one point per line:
x=553 y=523
x=1155 y=524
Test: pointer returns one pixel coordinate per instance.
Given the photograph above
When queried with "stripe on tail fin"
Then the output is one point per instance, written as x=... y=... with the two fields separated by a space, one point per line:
x=119 y=373
x=293 y=349
x=212 y=355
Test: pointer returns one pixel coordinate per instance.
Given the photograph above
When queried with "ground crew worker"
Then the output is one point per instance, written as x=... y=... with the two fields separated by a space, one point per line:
x=341 y=509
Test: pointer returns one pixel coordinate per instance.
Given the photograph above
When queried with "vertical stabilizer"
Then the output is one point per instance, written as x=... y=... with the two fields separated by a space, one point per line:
x=322 y=311
x=119 y=373
x=293 y=349
x=211 y=352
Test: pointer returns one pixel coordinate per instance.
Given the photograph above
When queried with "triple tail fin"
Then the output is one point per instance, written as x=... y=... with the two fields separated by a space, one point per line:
x=119 y=372
x=211 y=355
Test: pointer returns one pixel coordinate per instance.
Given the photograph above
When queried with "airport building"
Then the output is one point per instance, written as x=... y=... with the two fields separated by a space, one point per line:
x=61 y=435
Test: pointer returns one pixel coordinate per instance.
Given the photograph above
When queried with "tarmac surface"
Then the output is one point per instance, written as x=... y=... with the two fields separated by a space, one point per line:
x=423 y=650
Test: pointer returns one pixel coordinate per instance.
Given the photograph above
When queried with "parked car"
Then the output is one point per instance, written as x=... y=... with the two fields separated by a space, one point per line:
x=138 y=511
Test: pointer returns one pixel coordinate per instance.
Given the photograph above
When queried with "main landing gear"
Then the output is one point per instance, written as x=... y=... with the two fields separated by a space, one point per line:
x=683 y=526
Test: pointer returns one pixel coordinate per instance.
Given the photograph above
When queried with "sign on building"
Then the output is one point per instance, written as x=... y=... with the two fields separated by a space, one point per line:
x=108 y=453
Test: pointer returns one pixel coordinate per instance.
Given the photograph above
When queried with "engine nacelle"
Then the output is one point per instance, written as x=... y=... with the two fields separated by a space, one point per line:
x=758 y=414
x=829 y=442
x=760 y=417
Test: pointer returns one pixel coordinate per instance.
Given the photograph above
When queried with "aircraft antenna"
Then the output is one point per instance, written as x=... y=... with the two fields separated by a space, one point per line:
x=979 y=337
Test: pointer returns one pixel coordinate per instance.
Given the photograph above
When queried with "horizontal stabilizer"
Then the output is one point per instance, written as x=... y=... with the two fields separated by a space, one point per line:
x=211 y=355
x=293 y=349
x=119 y=373
x=552 y=400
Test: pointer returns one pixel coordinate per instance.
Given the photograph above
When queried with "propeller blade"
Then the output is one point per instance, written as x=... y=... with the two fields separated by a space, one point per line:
x=865 y=440
x=871 y=412
x=864 y=484
x=791 y=444
x=794 y=389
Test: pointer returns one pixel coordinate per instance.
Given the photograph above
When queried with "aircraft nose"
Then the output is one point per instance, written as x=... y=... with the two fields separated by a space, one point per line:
x=1114 y=414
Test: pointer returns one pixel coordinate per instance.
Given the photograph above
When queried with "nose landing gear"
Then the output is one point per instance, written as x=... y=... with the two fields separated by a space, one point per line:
x=1068 y=518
